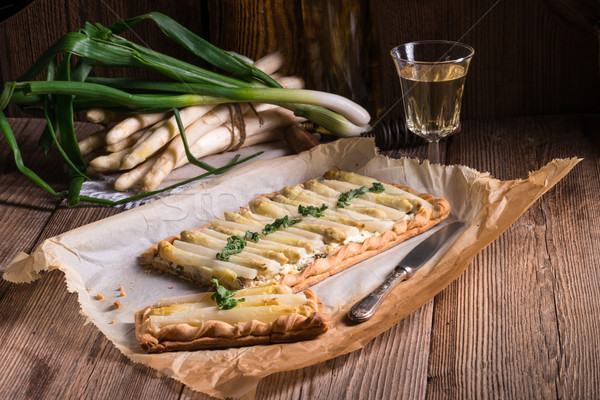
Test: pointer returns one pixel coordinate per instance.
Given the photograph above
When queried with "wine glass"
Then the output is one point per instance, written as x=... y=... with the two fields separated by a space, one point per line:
x=432 y=77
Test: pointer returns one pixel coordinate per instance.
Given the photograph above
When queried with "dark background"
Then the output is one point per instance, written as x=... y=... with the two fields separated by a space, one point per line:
x=532 y=57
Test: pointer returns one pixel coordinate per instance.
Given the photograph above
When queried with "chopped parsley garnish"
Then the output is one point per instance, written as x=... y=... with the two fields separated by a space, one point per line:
x=235 y=245
x=344 y=198
x=223 y=297
x=251 y=236
x=377 y=187
x=284 y=222
x=316 y=212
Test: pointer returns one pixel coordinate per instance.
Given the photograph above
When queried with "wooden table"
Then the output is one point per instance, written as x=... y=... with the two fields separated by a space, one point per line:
x=522 y=322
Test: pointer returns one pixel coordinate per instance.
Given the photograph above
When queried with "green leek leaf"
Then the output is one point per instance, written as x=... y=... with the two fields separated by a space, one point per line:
x=193 y=160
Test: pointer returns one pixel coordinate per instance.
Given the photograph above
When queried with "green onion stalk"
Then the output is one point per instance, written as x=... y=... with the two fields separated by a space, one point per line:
x=66 y=90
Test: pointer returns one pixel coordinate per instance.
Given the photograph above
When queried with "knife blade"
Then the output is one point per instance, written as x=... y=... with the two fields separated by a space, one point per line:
x=364 y=309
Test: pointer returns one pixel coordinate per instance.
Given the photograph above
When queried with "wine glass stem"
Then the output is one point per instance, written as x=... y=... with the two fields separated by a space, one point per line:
x=433 y=152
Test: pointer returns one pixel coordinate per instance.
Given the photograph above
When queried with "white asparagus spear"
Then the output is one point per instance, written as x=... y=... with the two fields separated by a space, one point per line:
x=110 y=162
x=149 y=132
x=101 y=116
x=134 y=139
x=268 y=64
x=175 y=149
x=134 y=177
x=129 y=141
x=222 y=139
x=219 y=140
x=92 y=142
x=96 y=153
x=262 y=136
x=291 y=82
x=133 y=124
x=161 y=135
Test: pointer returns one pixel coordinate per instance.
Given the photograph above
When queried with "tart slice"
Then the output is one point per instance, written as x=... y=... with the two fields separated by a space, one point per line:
x=301 y=234
x=259 y=315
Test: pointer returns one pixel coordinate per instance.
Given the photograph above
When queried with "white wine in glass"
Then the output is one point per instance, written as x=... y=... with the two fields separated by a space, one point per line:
x=432 y=77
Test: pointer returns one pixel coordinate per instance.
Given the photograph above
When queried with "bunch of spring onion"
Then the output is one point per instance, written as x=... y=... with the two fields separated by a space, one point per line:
x=68 y=89
x=146 y=147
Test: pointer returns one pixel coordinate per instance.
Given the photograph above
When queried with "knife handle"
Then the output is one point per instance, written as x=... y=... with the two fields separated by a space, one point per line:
x=365 y=308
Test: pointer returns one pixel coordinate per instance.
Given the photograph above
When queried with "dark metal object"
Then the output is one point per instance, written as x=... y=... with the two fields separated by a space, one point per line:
x=392 y=134
x=365 y=308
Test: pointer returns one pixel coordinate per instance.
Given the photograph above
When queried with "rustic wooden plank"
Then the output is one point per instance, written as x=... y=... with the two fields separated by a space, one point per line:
x=22 y=226
x=571 y=243
x=29 y=33
x=523 y=52
x=35 y=311
x=393 y=365
x=15 y=188
x=25 y=208
x=25 y=36
x=384 y=368
x=259 y=27
x=519 y=322
x=24 y=211
x=30 y=366
x=58 y=355
x=104 y=372
x=493 y=335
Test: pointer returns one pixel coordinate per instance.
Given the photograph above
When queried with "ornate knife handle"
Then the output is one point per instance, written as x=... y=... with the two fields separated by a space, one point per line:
x=365 y=308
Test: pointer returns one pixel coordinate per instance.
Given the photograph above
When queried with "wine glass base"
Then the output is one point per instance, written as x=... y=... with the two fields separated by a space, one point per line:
x=433 y=152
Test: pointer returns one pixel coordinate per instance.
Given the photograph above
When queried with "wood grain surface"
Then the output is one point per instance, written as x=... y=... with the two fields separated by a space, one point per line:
x=520 y=322
x=532 y=57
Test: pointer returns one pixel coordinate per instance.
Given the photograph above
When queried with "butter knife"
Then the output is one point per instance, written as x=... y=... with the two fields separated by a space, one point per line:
x=365 y=308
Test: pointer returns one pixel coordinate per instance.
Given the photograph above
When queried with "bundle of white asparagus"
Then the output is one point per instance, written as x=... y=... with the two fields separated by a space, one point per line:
x=147 y=147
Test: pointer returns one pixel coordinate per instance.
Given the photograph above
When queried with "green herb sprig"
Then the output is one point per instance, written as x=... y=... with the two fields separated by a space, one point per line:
x=284 y=222
x=223 y=296
x=316 y=212
x=344 y=198
x=235 y=245
x=377 y=188
x=251 y=236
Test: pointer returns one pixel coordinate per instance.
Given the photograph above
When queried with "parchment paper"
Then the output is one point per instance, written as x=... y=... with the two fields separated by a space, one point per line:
x=102 y=186
x=100 y=257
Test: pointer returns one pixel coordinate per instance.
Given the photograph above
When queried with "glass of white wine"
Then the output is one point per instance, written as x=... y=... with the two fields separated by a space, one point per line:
x=432 y=77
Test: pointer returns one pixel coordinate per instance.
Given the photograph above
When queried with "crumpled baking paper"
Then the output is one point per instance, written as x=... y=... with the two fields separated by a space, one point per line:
x=102 y=256
x=102 y=185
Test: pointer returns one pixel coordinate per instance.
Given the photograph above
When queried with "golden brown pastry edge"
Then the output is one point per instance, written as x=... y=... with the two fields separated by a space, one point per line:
x=287 y=328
